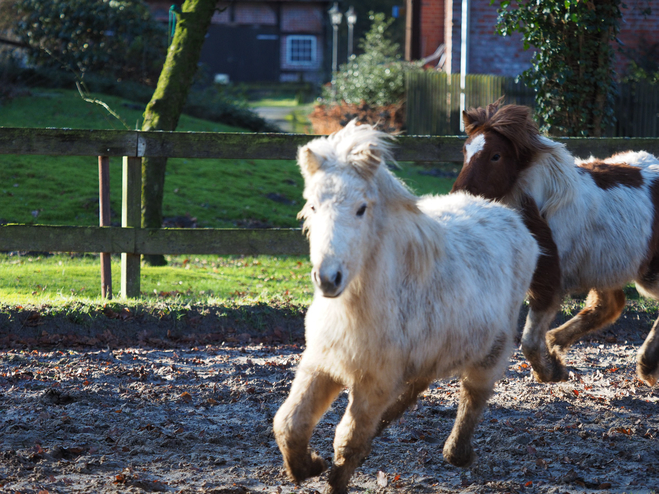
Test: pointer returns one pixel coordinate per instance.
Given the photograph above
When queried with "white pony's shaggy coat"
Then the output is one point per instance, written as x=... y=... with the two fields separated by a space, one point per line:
x=407 y=290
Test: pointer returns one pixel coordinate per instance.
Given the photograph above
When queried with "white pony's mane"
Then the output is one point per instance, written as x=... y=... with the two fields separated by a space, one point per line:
x=343 y=145
x=367 y=151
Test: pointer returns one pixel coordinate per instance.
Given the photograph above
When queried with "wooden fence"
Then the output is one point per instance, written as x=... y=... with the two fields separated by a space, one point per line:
x=433 y=103
x=433 y=99
x=132 y=241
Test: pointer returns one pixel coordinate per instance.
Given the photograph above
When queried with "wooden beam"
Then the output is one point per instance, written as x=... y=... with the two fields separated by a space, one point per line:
x=104 y=220
x=68 y=142
x=236 y=146
x=131 y=218
x=253 y=242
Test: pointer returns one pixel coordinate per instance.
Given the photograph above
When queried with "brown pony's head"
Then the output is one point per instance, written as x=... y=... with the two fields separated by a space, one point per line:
x=501 y=143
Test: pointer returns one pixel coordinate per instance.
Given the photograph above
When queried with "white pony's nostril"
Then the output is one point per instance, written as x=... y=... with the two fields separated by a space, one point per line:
x=337 y=278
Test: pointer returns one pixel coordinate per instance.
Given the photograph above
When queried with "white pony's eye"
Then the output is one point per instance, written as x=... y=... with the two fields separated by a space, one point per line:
x=312 y=207
x=361 y=210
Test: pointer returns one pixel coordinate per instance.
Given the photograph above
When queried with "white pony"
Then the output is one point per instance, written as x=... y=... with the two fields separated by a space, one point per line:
x=597 y=222
x=407 y=290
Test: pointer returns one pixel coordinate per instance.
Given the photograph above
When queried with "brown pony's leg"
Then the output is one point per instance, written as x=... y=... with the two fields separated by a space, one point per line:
x=647 y=363
x=312 y=392
x=404 y=401
x=547 y=365
x=544 y=298
x=602 y=307
x=354 y=434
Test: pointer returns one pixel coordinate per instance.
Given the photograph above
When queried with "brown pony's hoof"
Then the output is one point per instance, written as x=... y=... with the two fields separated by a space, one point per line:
x=548 y=368
x=312 y=466
x=645 y=372
x=458 y=455
x=555 y=374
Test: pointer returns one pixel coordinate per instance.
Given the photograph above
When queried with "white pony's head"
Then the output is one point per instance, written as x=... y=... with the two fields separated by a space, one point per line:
x=343 y=205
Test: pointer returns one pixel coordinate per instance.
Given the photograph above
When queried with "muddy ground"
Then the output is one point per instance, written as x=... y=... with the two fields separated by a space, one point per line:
x=125 y=402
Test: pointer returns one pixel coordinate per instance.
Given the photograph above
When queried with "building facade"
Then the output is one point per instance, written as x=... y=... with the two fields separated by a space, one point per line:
x=435 y=23
x=265 y=41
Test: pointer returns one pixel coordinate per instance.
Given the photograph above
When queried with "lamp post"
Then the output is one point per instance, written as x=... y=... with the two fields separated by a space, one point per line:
x=335 y=19
x=351 y=19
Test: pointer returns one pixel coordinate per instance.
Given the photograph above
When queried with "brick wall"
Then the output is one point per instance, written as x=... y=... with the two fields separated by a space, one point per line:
x=490 y=53
x=302 y=18
x=637 y=31
x=255 y=13
x=223 y=17
x=262 y=14
x=493 y=54
x=452 y=20
x=432 y=26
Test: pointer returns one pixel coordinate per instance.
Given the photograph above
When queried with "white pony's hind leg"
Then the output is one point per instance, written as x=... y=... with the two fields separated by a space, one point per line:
x=368 y=400
x=312 y=392
x=404 y=401
x=475 y=389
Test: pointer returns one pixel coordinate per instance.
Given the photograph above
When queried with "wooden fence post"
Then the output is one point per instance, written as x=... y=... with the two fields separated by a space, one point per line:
x=104 y=220
x=131 y=218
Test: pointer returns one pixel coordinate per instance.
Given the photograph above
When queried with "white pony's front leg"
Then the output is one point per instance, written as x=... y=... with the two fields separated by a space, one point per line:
x=354 y=434
x=312 y=392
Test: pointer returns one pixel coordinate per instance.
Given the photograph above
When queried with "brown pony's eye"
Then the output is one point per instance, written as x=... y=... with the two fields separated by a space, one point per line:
x=496 y=157
x=361 y=210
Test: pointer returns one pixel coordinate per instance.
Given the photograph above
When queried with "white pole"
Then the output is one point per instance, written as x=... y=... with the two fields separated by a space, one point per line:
x=464 y=58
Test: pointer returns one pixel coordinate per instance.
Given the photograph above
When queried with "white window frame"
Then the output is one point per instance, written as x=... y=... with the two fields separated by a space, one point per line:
x=289 y=49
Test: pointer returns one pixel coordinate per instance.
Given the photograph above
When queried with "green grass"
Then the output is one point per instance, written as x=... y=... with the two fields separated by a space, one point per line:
x=283 y=101
x=218 y=193
x=62 y=279
x=62 y=108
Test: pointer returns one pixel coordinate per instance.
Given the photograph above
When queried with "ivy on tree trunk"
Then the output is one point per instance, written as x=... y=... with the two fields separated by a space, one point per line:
x=166 y=105
x=572 y=68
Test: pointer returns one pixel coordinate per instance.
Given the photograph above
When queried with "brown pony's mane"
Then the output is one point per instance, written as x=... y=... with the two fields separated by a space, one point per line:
x=514 y=122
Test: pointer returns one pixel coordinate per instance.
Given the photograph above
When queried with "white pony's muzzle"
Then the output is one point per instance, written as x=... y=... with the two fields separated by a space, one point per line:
x=329 y=277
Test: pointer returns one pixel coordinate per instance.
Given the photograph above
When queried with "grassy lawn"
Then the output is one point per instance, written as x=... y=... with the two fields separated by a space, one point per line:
x=61 y=279
x=217 y=193
x=212 y=193
x=282 y=101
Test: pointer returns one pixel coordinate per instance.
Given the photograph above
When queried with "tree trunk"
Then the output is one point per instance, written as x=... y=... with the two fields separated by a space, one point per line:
x=166 y=105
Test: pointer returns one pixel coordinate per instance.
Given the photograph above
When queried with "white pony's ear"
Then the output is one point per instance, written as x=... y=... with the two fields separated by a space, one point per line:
x=308 y=161
x=366 y=159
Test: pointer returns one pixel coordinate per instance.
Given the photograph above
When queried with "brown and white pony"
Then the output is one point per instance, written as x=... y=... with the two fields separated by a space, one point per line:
x=408 y=290
x=597 y=222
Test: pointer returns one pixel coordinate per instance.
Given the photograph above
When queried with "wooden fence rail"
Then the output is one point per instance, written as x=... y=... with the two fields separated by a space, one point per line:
x=132 y=241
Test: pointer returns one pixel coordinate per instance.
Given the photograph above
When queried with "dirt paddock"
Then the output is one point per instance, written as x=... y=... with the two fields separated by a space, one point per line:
x=197 y=417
